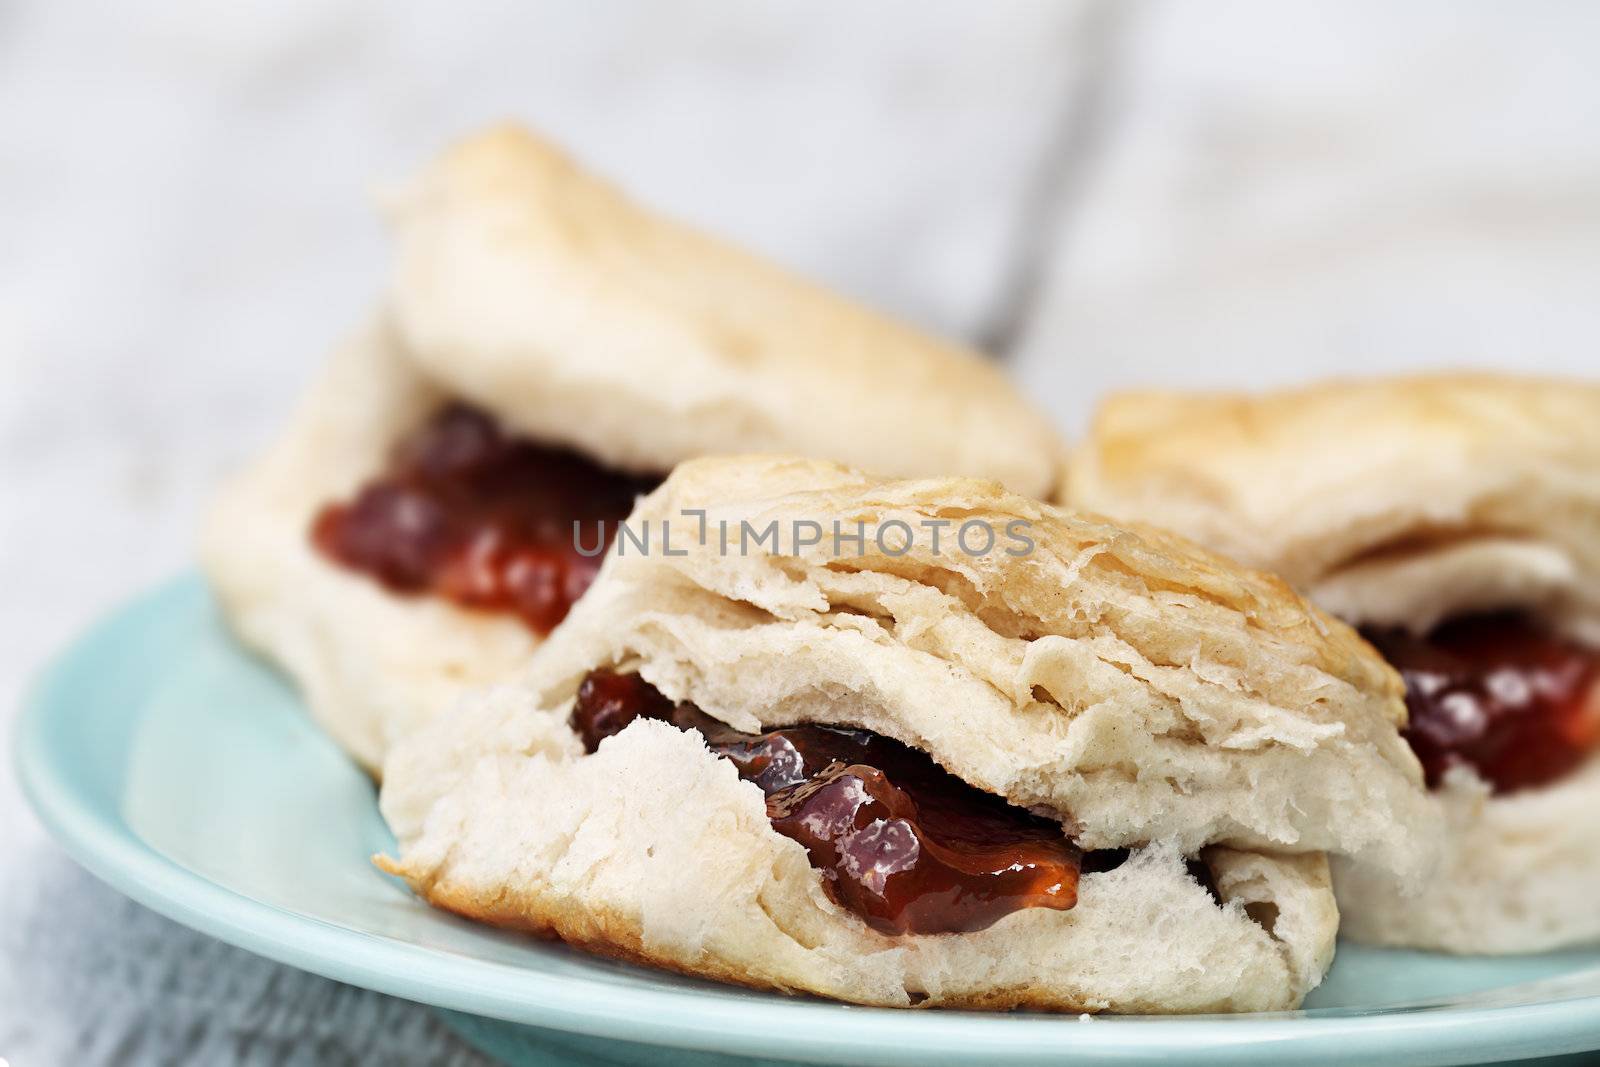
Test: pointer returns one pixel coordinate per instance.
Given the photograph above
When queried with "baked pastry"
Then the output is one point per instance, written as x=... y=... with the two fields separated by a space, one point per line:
x=1012 y=756
x=1456 y=519
x=548 y=350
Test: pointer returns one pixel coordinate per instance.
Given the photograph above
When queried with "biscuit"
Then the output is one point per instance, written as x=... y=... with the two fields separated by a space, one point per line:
x=1146 y=695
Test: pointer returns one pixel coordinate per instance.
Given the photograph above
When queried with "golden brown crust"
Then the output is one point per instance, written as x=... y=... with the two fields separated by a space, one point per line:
x=546 y=295
x=607 y=933
x=1108 y=559
x=1306 y=481
x=600 y=931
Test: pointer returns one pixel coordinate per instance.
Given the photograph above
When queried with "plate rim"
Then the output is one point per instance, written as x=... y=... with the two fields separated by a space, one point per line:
x=686 y=1018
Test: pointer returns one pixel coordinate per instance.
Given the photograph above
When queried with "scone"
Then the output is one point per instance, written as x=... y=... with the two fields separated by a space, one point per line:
x=1455 y=519
x=547 y=351
x=921 y=743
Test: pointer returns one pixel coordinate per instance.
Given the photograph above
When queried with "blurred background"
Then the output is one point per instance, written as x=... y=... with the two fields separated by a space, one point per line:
x=1100 y=194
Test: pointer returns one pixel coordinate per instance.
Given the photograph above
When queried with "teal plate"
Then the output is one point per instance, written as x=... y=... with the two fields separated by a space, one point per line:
x=185 y=773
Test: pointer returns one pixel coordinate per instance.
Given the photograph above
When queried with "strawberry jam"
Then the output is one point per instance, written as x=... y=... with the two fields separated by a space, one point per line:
x=471 y=513
x=1497 y=693
x=901 y=842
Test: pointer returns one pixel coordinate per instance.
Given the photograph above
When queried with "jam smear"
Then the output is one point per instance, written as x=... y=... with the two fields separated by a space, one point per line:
x=901 y=842
x=1498 y=693
x=469 y=512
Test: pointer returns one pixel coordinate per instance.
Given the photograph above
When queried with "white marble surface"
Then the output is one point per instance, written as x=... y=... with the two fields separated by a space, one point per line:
x=1111 y=193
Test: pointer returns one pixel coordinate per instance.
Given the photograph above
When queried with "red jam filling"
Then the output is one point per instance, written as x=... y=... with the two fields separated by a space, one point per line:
x=471 y=513
x=1497 y=693
x=901 y=842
